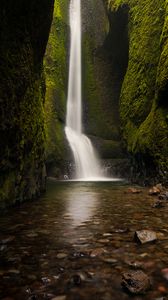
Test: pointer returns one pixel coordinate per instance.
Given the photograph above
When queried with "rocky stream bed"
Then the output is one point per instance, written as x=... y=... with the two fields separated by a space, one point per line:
x=82 y=241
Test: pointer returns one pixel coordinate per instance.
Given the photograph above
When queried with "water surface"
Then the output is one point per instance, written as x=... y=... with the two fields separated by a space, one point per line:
x=77 y=240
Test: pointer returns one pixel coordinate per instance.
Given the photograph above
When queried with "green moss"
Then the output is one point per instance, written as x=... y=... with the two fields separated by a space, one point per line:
x=100 y=115
x=56 y=84
x=22 y=98
x=143 y=107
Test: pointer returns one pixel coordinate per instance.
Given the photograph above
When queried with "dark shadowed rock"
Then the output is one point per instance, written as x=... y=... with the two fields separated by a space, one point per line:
x=164 y=196
x=136 y=282
x=7 y=240
x=76 y=280
x=158 y=204
x=145 y=236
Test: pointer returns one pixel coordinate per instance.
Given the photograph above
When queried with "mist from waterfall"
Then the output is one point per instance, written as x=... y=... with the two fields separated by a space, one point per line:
x=86 y=162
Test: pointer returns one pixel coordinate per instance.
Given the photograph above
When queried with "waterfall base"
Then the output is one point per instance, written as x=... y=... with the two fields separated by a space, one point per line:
x=86 y=161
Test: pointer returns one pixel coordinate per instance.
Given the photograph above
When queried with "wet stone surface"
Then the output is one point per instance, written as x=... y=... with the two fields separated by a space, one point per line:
x=77 y=241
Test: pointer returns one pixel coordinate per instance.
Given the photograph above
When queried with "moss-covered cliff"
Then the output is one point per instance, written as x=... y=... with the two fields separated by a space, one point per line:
x=56 y=73
x=24 y=30
x=143 y=101
x=101 y=78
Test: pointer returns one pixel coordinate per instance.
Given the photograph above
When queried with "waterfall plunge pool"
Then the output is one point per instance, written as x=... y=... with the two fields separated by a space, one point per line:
x=84 y=229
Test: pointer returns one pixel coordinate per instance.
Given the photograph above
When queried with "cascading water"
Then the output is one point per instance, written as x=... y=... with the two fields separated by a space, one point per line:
x=87 y=164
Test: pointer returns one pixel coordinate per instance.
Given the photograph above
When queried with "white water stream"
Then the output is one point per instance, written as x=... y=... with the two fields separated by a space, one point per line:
x=86 y=162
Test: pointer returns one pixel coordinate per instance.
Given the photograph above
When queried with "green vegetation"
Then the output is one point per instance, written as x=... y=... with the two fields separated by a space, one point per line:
x=22 y=92
x=143 y=107
x=56 y=81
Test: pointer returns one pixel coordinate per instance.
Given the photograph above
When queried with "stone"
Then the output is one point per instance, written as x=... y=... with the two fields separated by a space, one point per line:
x=145 y=236
x=162 y=288
x=121 y=230
x=136 y=282
x=159 y=186
x=32 y=235
x=63 y=297
x=154 y=191
x=14 y=272
x=61 y=255
x=103 y=241
x=158 y=204
x=134 y=191
x=162 y=298
x=97 y=252
x=134 y=264
x=76 y=280
x=165 y=273
x=164 y=196
x=107 y=234
x=111 y=261
x=7 y=239
x=46 y=280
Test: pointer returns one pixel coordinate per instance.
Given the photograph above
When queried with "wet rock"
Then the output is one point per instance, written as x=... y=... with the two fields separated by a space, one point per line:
x=162 y=298
x=79 y=255
x=162 y=289
x=63 y=297
x=111 y=261
x=106 y=234
x=103 y=241
x=164 y=196
x=134 y=264
x=76 y=280
x=156 y=190
x=14 y=272
x=61 y=255
x=97 y=252
x=160 y=187
x=32 y=235
x=158 y=204
x=145 y=236
x=144 y=255
x=165 y=273
x=121 y=230
x=3 y=247
x=7 y=239
x=46 y=280
x=136 y=282
x=133 y=191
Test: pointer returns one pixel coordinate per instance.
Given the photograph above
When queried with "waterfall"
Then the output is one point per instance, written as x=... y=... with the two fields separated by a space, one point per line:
x=86 y=162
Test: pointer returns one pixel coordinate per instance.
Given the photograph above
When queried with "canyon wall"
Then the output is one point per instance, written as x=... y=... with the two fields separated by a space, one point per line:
x=24 y=31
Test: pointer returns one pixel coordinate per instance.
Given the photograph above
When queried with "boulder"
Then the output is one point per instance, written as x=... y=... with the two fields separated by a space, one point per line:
x=136 y=282
x=145 y=236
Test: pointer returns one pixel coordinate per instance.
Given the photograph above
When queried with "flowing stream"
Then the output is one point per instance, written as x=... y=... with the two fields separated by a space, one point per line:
x=82 y=230
x=86 y=162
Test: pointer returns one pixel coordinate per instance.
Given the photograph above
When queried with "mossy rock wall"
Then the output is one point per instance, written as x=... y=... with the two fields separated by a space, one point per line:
x=101 y=79
x=24 y=30
x=56 y=73
x=143 y=101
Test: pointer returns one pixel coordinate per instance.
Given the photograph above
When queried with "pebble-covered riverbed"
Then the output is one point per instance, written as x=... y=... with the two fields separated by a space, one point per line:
x=76 y=242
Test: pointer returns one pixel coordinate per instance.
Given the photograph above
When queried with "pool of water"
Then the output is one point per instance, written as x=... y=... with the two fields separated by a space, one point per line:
x=77 y=240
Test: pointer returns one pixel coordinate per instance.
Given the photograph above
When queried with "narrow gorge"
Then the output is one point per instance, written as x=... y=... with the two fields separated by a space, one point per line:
x=84 y=149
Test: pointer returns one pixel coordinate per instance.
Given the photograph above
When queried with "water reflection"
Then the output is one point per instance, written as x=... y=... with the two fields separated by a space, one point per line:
x=81 y=205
